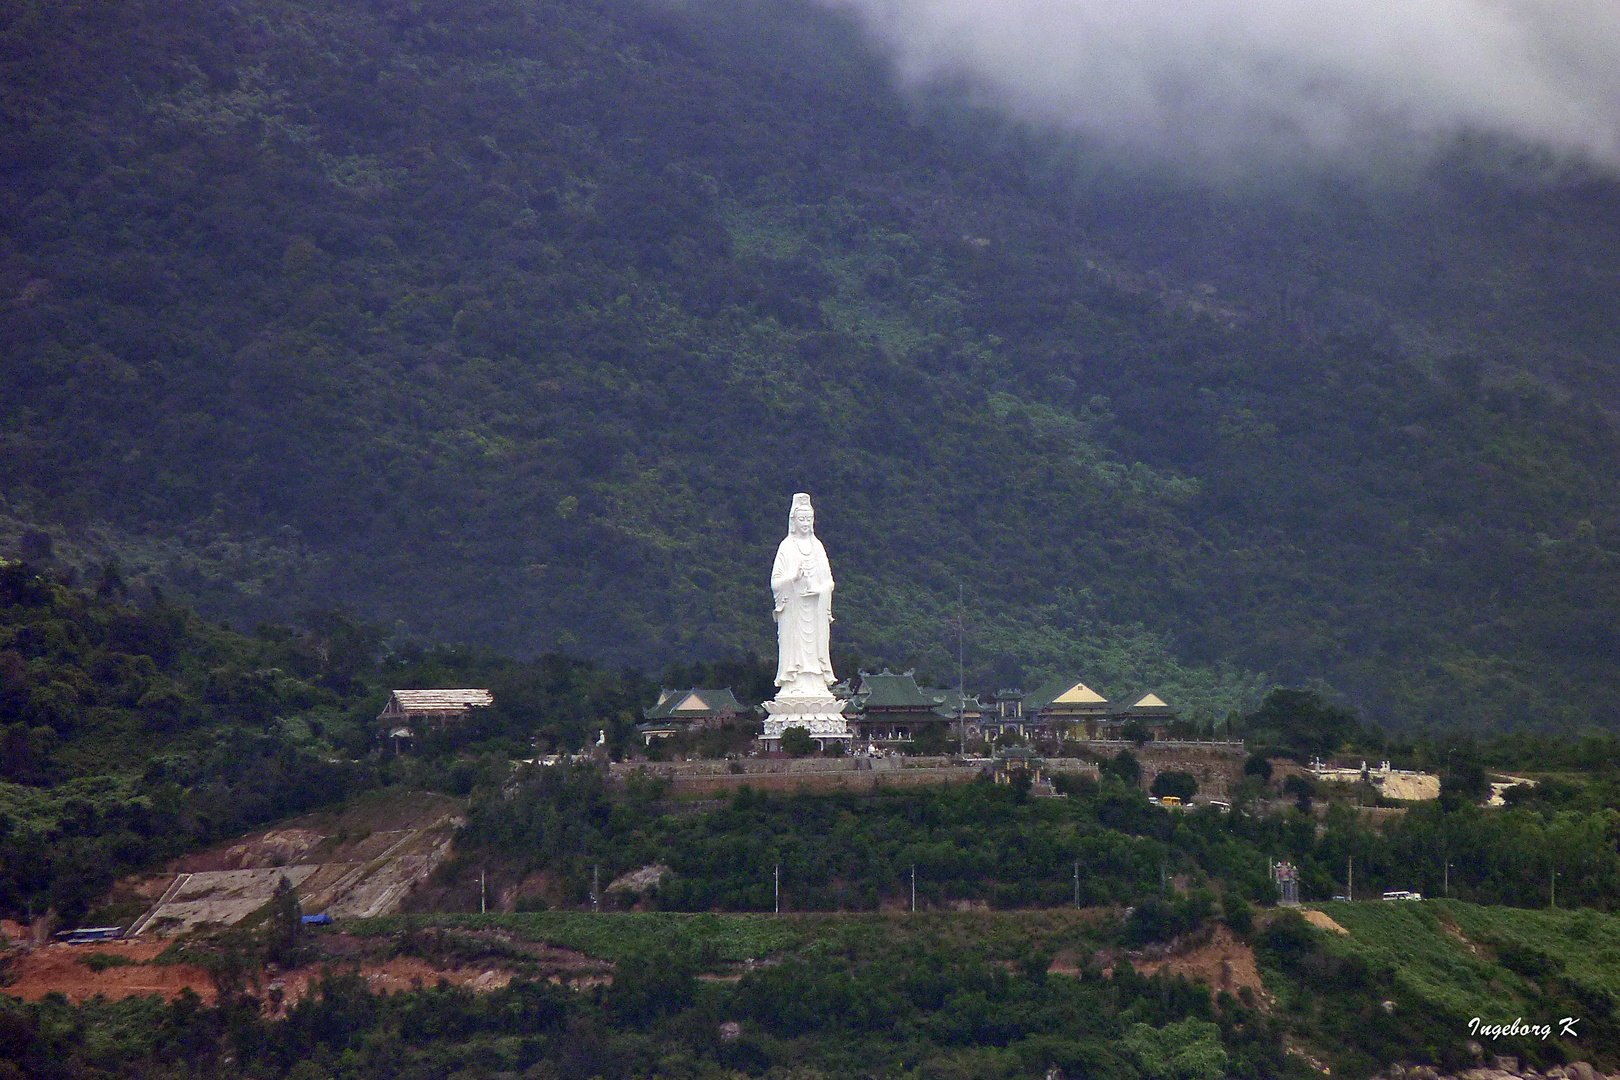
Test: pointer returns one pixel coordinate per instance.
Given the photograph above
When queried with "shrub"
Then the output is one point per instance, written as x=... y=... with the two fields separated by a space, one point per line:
x=796 y=742
x=1239 y=915
x=101 y=961
x=1188 y=1050
x=1289 y=935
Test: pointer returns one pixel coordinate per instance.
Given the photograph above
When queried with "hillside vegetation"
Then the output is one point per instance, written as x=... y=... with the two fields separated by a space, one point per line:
x=937 y=994
x=516 y=322
x=132 y=732
x=1441 y=964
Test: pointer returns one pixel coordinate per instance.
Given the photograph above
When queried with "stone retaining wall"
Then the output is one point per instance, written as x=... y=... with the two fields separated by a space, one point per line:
x=821 y=774
x=1217 y=768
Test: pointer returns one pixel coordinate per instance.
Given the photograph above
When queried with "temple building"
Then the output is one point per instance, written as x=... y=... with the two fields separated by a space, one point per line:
x=410 y=711
x=679 y=711
x=890 y=708
x=1151 y=712
x=1067 y=709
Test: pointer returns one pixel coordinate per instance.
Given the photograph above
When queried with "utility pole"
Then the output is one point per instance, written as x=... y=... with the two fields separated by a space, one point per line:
x=483 y=905
x=1552 y=889
x=1077 y=883
x=961 y=690
x=1350 y=878
x=596 y=894
x=777 y=887
x=913 y=886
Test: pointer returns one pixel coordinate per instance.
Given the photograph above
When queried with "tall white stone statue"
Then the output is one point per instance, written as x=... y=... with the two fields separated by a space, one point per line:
x=802 y=585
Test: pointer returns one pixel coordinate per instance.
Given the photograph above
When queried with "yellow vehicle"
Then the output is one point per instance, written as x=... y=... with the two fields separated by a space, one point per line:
x=1170 y=801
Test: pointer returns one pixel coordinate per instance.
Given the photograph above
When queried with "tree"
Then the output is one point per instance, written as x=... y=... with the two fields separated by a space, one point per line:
x=1257 y=765
x=1463 y=784
x=796 y=742
x=1303 y=722
x=1182 y=785
x=1126 y=767
x=284 y=926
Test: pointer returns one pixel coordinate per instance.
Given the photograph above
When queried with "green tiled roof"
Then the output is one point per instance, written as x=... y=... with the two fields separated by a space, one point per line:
x=887 y=690
x=971 y=706
x=698 y=703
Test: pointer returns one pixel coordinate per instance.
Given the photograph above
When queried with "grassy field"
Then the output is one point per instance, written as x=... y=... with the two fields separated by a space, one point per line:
x=1445 y=963
x=1471 y=961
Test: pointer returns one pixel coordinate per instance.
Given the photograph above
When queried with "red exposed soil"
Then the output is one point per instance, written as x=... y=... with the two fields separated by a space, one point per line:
x=1225 y=964
x=1220 y=961
x=59 y=968
x=387 y=977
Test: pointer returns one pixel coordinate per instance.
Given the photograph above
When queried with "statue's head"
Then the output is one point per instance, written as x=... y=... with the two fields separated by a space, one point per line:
x=801 y=518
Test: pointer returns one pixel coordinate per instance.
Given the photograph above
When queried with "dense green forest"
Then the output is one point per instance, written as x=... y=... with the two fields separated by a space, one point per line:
x=516 y=323
x=995 y=844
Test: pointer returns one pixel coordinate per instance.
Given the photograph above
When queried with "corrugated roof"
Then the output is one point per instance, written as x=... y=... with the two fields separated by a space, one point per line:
x=440 y=700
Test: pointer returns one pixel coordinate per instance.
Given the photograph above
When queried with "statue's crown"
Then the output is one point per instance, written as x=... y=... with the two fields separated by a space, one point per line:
x=802 y=499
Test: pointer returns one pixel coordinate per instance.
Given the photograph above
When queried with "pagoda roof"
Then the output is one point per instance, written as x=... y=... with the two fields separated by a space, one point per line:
x=886 y=690
x=1064 y=693
x=971 y=705
x=1150 y=702
x=698 y=703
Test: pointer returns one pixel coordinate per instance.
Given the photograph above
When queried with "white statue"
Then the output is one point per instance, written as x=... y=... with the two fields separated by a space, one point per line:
x=802 y=584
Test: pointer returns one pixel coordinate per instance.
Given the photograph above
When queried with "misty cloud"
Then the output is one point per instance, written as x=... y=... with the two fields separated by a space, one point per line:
x=1246 y=83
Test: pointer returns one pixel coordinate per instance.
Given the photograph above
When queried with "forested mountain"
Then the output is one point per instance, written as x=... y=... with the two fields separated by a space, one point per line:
x=517 y=322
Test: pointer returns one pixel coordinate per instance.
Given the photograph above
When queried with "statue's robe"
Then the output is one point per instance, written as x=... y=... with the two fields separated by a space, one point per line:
x=803 y=610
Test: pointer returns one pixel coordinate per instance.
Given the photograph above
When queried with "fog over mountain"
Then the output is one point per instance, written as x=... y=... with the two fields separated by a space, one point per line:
x=1246 y=85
